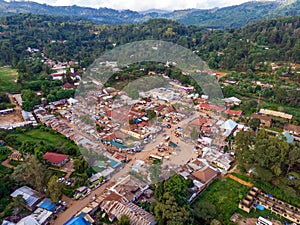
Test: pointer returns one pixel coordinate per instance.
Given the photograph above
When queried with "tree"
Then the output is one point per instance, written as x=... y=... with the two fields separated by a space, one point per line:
x=194 y=134
x=80 y=165
x=27 y=147
x=18 y=204
x=177 y=186
x=54 y=189
x=254 y=123
x=293 y=157
x=124 y=220
x=151 y=114
x=32 y=173
x=204 y=211
x=168 y=211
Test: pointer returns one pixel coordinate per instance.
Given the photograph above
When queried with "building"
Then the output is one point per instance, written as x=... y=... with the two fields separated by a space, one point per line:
x=276 y=114
x=237 y=113
x=31 y=197
x=265 y=121
x=67 y=86
x=292 y=129
x=232 y=101
x=114 y=205
x=228 y=127
x=82 y=219
x=56 y=158
x=205 y=175
x=6 y=111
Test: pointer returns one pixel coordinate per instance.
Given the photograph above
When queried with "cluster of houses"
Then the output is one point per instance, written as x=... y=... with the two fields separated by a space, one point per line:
x=118 y=200
x=201 y=173
x=42 y=209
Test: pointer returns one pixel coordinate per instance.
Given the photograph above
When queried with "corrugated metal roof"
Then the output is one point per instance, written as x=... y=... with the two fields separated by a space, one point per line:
x=29 y=195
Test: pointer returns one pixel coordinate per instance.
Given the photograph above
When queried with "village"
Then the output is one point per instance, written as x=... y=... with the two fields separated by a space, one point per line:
x=184 y=132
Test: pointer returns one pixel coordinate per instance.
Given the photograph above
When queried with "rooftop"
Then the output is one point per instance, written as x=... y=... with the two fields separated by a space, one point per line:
x=53 y=157
x=30 y=196
x=205 y=174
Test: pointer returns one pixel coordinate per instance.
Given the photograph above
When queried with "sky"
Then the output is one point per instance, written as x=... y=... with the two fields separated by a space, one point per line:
x=142 y=5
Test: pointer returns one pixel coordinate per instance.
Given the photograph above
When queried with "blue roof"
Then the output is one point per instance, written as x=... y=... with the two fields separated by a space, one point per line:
x=172 y=144
x=47 y=204
x=77 y=221
x=114 y=164
x=289 y=138
x=116 y=144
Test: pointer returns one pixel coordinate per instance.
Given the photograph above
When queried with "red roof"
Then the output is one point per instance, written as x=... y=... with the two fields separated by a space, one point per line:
x=110 y=137
x=206 y=106
x=234 y=112
x=199 y=121
x=74 y=74
x=56 y=158
x=143 y=124
x=68 y=86
x=57 y=75
x=108 y=113
x=205 y=175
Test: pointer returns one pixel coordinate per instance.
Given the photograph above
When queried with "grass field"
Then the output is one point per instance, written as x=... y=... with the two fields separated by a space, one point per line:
x=7 y=80
x=48 y=137
x=225 y=195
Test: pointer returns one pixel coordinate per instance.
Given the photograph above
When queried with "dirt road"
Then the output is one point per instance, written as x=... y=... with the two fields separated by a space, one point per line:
x=185 y=154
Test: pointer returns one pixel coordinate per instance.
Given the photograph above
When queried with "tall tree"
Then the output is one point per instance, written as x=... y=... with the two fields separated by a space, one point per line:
x=32 y=172
x=54 y=189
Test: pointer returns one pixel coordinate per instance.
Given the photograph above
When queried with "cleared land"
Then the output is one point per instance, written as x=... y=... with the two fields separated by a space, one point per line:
x=8 y=78
x=10 y=118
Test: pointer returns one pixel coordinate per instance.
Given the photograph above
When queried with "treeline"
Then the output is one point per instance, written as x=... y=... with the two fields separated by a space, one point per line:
x=270 y=159
x=240 y=49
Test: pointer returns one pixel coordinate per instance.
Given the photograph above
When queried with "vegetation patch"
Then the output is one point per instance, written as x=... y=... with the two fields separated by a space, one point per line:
x=224 y=196
x=8 y=77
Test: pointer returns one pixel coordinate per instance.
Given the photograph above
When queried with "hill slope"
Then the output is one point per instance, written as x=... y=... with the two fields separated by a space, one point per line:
x=227 y=17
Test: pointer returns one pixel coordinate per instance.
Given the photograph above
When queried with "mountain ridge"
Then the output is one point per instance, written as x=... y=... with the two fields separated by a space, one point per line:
x=227 y=17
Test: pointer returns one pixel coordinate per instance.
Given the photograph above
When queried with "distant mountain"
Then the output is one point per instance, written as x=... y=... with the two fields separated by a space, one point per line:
x=227 y=17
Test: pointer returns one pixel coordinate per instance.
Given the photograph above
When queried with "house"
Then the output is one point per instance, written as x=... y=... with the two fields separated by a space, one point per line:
x=114 y=205
x=56 y=158
x=232 y=101
x=82 y=219
x=16 y=155
x=237 y=113
x=6 y=111
x=265 y=121
x=31 y=197
x=67 y=86
x=292 y=129
x=228 y=127
x=276 y=114
x=205 y=175
x=57 y=76
x=209 y=107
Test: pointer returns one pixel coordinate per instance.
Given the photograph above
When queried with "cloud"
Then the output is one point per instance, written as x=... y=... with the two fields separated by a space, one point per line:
x=140 y=5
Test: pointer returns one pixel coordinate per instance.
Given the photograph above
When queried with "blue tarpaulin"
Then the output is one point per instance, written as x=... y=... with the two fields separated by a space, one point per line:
x=260 y=207
x=47 y=204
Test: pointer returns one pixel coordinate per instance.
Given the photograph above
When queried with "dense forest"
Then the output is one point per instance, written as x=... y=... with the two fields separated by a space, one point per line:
x=227 y=17
x=82 y=41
